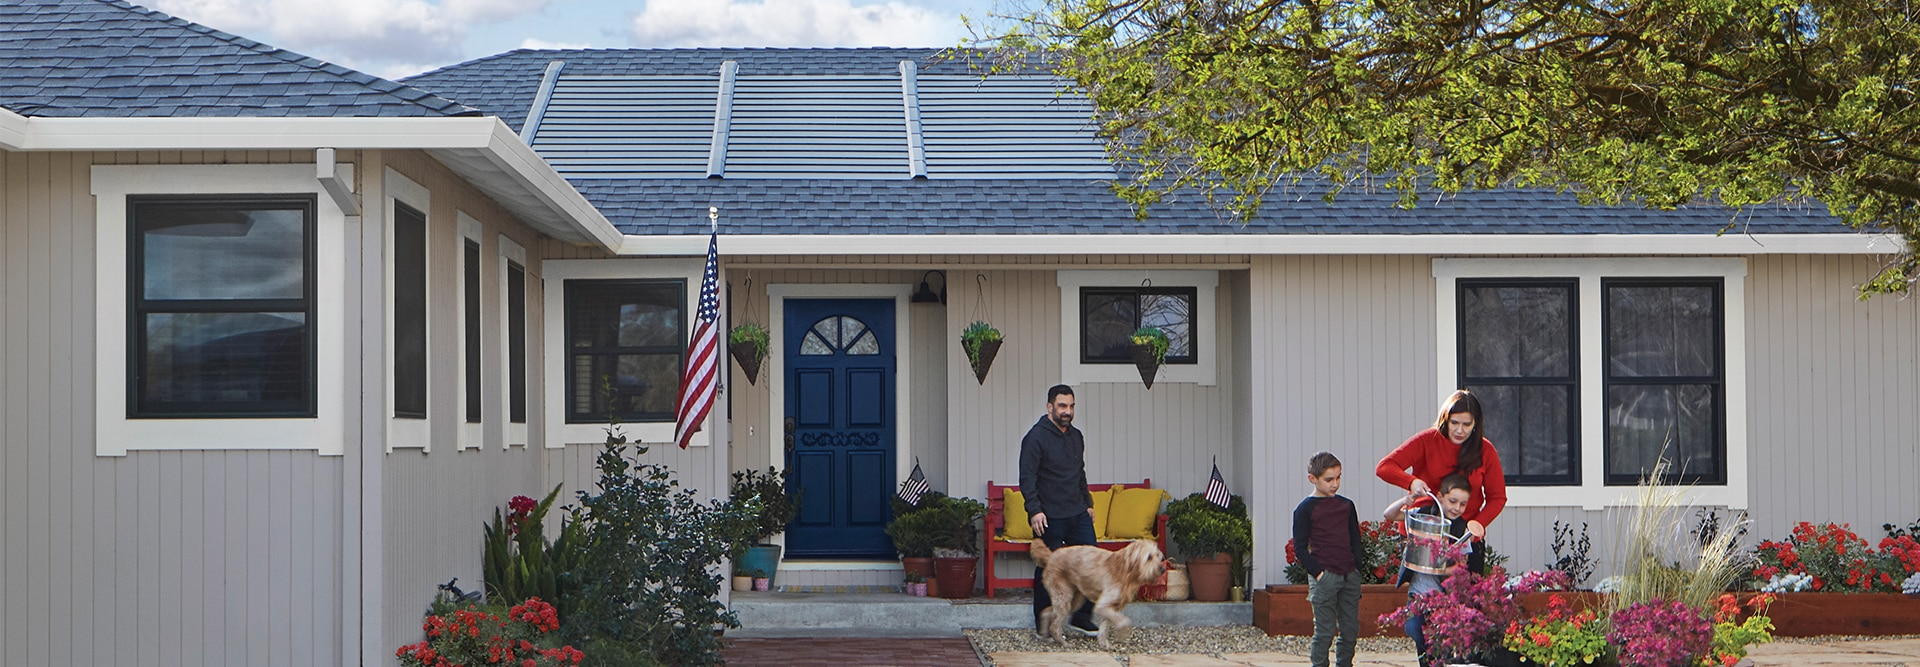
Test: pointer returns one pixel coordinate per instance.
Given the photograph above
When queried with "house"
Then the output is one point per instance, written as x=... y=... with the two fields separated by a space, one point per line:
x=279 y=335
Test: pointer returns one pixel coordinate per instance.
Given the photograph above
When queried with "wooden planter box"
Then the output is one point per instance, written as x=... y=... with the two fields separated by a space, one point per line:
x=1284 y=610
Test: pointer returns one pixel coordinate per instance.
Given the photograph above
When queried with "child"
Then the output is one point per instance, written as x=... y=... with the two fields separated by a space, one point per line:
x=1326 y=537
x=1454 y=491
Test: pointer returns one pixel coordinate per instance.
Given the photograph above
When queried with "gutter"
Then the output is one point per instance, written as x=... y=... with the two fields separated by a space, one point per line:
x=1271 y=244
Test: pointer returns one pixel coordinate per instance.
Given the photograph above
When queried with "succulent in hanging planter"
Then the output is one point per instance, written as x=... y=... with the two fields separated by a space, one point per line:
x=1149 y=352
x=982 y=343
x=748 y=343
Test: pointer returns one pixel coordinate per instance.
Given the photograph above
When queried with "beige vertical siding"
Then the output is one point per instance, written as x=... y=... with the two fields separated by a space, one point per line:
x=155 y=558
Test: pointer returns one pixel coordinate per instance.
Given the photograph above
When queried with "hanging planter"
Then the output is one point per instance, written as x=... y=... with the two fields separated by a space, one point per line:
x=748 y=344
x=1149 y=352
x=982 y=343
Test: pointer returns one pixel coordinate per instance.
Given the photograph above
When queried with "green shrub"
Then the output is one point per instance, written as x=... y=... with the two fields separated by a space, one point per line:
x=515 y=554
x=1200 y=528
x=941 y=524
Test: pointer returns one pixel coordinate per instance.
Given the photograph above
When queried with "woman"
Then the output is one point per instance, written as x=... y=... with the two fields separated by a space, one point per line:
x=1453 y=445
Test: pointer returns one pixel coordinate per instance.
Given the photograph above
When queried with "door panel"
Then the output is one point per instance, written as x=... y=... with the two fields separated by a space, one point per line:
x=840 y=453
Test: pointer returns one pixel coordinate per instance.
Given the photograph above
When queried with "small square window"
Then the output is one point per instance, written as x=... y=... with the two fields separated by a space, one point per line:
x=1110 y=315
x=627 y=334
x=222 y=313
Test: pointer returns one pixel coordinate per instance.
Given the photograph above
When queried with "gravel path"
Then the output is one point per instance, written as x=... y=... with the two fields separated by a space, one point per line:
x=1210 y=640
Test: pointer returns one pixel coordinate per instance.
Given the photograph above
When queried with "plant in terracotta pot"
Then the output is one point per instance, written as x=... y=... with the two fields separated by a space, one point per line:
x=766 y=493
x=982 y=343
x=1215 y=540
x=915 y=531
x=1149 y=352
x=949 y=528
x=748 y=342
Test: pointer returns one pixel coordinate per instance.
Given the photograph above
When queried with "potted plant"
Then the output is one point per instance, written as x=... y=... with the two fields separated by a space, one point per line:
x=982 y=343
x=915 y=532
x=946 y=528
x=766 y=492
x=1215 y=540
x=748 y=343
x=1149 y=352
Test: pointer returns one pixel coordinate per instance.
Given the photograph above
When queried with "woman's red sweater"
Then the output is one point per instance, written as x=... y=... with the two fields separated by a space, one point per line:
x=1432 y=457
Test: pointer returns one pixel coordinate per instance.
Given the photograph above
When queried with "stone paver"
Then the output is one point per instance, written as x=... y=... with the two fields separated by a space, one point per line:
x=1836 y=654
x=1179 y=660
x=1046 y=659
x=1361 y=659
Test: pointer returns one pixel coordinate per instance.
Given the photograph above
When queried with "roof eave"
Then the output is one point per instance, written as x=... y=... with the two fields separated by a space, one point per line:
x=1269 y=244
x=481 y=149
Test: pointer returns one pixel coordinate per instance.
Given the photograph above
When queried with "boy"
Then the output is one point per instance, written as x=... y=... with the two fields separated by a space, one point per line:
x=1454 y=492
x=1326 y=537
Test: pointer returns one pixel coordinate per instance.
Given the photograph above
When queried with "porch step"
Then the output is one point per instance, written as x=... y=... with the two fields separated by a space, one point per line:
x=768 y=614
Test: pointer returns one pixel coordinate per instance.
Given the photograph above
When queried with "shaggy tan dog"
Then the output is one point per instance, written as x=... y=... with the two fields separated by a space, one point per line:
x=1109 y=578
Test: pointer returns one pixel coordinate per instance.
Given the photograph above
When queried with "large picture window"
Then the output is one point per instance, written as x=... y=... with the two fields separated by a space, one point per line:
x=1110 y=315
x=221 y=307
x=628 y=334
x=1519 y=352
x=409 y=312
x=1665 y=379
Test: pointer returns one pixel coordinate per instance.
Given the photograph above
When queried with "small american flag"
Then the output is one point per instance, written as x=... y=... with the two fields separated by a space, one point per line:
x=914 y=487
x=702 y=372
x=1217 y=488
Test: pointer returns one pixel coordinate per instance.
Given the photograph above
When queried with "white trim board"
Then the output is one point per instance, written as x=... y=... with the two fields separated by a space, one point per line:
x=115 y=433
x=1276 y=244
x=1593 y=493
x=558 y=433
x=1204 y=335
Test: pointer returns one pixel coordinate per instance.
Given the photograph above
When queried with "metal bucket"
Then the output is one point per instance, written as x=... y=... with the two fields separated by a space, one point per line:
x=1427 y=542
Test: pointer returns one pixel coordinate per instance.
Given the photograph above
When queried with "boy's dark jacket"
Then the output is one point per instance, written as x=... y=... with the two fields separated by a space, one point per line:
x=1476 y=556
x=1303 y=533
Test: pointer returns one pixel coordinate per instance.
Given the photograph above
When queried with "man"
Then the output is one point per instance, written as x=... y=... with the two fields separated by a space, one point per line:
x=1053 y=481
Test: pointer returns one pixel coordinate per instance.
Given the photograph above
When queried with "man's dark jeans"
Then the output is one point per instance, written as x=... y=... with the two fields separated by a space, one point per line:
x=1062 y=532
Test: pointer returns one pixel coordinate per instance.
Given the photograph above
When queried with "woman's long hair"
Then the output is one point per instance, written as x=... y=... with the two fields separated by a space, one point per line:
x=1470 y=451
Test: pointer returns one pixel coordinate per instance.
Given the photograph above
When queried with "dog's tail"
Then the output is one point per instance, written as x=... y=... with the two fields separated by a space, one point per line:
x=1040 y=552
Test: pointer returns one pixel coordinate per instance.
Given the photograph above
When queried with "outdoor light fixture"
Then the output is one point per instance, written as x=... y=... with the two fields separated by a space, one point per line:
x=926 y=295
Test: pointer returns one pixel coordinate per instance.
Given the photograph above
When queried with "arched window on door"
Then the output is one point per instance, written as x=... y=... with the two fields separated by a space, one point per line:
x=839 y=334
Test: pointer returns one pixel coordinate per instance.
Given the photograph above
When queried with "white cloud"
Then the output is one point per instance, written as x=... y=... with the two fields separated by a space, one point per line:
x=382 y=37
x=791 y=23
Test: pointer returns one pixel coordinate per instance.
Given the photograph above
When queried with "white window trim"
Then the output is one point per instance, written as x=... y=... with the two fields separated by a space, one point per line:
x=115 y=433
x=558 y=433
x=472 y=435
x=512 y=433
x=1593 y=493
x=1201 y=372
x=406 y=433
x=777 y=295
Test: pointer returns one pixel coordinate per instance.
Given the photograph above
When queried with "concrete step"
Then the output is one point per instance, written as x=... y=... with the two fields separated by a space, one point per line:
x=768 y=614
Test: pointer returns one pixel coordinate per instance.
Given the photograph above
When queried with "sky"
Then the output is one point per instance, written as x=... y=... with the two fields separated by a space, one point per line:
x=398 y=38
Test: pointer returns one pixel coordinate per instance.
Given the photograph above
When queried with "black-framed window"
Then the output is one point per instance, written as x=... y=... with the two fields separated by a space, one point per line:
x=1665 y=381
x=516 y=343
x=470 y=314
x=1110 y=315
x=409 y=312
x=1519 y=351
x=221 y=307
x=630 y=333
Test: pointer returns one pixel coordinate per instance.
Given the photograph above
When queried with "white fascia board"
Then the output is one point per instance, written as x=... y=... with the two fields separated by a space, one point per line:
x=157 y=134
x=508 y=152
x=13 y=130
x=1274 y=244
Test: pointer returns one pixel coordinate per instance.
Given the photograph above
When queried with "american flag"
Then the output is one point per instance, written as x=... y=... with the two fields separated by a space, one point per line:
x=1217 y=488
x=703 y=355
x=914 y=487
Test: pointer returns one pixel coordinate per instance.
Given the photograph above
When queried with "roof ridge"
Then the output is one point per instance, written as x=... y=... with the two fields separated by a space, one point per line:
x=400 y=91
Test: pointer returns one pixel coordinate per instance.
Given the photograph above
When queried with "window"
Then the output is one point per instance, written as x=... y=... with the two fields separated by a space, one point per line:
x=1591 y=369
x=1109 y=316
x=625 y=337
x=216 y=279
x=470 y=312
x=1100 y=310
x=221 y=300
x=1518 y=352
x=516 y=343
x=409 y=312
x=1665 y=379
x=839 y=333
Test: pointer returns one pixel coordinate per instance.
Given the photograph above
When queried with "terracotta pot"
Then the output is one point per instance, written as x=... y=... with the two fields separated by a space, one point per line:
x=746 y=354
x=984 y=360
x=956 y=576
x=742 y=583
x=1210 y=577
x=921 y=566
x=1143 y=360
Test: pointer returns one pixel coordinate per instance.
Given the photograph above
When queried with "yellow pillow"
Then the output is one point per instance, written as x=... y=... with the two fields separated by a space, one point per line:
x=1019 y=525
x=1133 y=513
x=1102 y=502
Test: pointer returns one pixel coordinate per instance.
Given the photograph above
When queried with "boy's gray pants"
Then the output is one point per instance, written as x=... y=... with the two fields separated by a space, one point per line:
x=1336 y=603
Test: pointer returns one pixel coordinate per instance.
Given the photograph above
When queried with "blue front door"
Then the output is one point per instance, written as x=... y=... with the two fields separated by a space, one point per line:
x=840 y=426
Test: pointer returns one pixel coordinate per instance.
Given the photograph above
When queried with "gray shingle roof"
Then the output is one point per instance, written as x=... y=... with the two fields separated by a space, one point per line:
x=108 y=58
x=965 y=207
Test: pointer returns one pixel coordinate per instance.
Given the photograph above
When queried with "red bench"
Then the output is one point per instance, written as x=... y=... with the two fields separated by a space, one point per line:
x=997 y=543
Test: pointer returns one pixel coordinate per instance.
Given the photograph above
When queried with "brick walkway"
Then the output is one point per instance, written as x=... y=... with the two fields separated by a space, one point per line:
x=893 y=652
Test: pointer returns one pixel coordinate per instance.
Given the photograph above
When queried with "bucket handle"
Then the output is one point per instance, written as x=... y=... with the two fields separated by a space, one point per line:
x=1436 y=507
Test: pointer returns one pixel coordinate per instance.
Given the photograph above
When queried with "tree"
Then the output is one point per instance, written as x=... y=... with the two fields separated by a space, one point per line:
x=1665 y=102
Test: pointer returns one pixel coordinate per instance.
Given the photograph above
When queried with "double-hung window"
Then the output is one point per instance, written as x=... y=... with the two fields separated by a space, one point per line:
x=1591 y=371
x=221 y=296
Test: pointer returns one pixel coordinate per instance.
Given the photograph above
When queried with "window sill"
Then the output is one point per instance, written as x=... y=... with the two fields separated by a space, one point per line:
x=1598 y=497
